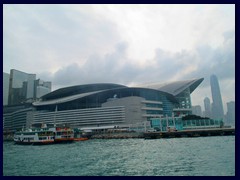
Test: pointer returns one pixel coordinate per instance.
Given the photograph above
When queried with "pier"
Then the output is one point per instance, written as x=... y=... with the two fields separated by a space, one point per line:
x=158 y=134
x=190 y=133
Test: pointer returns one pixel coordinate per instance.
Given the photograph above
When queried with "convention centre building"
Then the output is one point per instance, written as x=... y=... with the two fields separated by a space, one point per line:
x=106 y=104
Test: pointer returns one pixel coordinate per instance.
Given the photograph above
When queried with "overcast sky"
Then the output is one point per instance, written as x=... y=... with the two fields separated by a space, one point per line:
x=125 y=44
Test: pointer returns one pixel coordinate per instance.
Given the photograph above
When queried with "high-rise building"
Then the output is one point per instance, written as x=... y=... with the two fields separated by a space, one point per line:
x=41 y=88
x=207 y=107
x=217 y=109
x=197 y=110
x=21 y=86
x=231 y=113
x=5 y=88
x=24 y=87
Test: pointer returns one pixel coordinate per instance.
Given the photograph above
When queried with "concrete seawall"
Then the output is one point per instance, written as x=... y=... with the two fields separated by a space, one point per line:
x=122 y=135
x=190 y=133
x=156 y=135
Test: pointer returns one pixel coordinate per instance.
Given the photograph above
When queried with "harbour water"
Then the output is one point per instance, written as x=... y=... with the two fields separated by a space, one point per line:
x=202 y=156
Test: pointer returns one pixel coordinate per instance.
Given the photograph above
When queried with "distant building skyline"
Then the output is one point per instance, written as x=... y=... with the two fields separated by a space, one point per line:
x=217 y=105
x=20 y=87
x=211 y=110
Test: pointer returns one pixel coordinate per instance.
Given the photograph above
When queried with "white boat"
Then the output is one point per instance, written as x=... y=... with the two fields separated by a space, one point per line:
x=44 y=135
x=38 y=136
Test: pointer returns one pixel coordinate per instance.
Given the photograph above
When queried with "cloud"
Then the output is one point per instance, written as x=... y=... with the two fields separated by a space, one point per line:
x=168 y=27
x=126 y=44
x=165 y=66
x=219 y=61
x=95 y=68
x=52 y=36
x=116 y=67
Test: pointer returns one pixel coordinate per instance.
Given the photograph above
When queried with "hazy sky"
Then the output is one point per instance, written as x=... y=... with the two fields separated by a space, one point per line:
x=125 y=44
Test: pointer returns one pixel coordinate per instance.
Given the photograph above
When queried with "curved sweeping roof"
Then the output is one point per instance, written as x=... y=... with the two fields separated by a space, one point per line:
x=64 y=99
x=177 y=87
x=107 y=91
x=79 y=89
x=77 y=92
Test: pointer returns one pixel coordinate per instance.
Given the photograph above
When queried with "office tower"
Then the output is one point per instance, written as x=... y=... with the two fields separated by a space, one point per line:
x=5 y=88
x=231 y=113
x=24 y=87
x=197 y=110
x=207 y=107
x=41 y=88
x=217 y=109
x=21 y=87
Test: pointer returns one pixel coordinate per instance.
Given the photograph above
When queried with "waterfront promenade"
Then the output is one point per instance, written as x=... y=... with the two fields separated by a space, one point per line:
x=190 y=133
x=158 y=134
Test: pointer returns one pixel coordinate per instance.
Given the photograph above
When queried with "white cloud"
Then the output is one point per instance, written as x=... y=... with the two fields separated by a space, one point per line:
x=169 y=27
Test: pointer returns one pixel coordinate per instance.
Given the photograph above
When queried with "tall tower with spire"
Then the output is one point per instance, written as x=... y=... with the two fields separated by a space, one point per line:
x=217 y=109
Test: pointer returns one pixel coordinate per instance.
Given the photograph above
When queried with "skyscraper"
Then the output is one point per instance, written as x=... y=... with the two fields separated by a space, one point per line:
x=207 y=107
x=41 y=88
x=24 y=87
x=217 y=109
x=197 y=110
x=21 y=86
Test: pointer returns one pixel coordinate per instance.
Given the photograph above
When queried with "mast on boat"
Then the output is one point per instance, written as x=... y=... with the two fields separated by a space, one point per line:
x=54 y=119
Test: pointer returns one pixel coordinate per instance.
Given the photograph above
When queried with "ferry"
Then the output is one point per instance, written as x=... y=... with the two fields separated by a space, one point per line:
x=63 y=134
x=35 y=136
x=44 y=135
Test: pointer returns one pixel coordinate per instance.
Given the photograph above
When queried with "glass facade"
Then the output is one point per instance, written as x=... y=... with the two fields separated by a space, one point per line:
x=24 y=87
x=184 y=99
x=98 y=98
x=179 y=124
x=153 y=105
x=21 y=86
x=163 y=123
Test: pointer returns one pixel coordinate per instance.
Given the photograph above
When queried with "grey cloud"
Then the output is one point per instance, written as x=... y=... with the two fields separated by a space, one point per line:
x=97 y=68
x=38 y=32
x=115 y=67
x=219 y=61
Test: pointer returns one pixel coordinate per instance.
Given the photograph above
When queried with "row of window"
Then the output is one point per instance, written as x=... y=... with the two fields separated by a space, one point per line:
x=201 y=122
x=64 y=133
x=45 y=138
x=153 y=105
x=183 y=123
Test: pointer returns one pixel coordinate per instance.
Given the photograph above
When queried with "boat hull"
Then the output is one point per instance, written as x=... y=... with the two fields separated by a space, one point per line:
x=80 y=139
x=34 y=143
x=64 y=140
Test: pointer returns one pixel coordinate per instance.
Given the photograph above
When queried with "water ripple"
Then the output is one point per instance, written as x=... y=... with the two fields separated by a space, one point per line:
x=203 y=156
